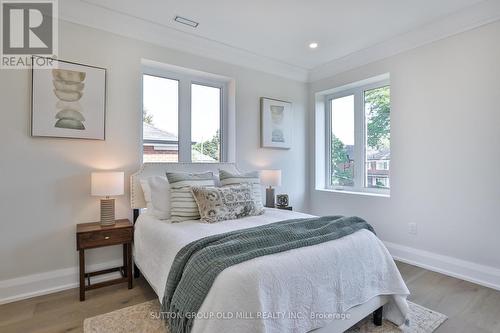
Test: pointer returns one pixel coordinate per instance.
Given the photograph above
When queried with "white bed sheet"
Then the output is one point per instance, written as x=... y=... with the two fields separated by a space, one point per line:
x=279 y=292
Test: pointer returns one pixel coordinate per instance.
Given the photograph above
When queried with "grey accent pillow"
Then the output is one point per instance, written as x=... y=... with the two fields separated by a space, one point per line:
x=225 y=203
x=252 y=178
x=182 y=204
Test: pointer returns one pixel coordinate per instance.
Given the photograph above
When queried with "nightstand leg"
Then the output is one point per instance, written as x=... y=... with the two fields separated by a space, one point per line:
x=82 y=275
x=125 y=260
x=129 y=265
x=137 y=273
x=378 y=316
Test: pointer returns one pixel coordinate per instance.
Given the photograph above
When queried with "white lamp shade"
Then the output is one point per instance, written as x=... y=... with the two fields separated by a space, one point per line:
x=270 y=177
x=106 y=184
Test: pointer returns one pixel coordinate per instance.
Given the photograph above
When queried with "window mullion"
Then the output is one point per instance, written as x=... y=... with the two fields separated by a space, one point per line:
x=222 y=122
x=184 y=120
x=328 y=145
x=359 y=140
x=224 y=128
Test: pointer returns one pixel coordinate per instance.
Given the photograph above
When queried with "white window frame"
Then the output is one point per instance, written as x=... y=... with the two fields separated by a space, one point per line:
x=360 y=169
x=186 y=79
x=384 y=165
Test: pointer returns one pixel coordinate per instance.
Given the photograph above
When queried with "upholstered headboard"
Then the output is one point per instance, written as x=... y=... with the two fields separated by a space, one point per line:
x=159 y=169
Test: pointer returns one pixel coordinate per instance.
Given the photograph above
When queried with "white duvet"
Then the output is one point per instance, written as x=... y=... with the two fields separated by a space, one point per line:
x=293 y=291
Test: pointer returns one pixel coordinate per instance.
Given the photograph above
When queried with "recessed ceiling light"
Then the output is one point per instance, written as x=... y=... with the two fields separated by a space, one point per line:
x=185 y=21
x=313 y=45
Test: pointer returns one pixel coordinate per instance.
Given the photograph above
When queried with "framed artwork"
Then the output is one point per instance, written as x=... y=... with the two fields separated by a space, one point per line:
x=68 y=101
x=282 y=200
x=276 y=123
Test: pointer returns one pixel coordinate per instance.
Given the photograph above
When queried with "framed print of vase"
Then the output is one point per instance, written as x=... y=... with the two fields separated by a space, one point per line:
x=276 y=123
x=68 y=101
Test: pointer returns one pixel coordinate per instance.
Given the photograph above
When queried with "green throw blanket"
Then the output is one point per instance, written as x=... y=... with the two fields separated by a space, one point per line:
x=197 y=264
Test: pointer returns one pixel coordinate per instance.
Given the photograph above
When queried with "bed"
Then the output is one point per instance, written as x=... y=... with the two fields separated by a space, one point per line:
x=327 y=287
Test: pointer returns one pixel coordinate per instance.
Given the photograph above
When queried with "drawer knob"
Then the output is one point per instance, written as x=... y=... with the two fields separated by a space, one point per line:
x=107 y=237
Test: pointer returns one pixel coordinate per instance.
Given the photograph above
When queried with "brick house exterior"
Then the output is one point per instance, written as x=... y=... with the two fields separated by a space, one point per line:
x=162 y=146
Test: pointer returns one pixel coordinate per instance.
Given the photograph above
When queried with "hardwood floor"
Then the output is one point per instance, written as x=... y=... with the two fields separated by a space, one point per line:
x=470 y=308
x=63 y=311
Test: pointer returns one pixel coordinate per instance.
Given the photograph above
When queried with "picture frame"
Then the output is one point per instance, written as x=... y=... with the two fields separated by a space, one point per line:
x=68 y=100
x=276 y=123
x=282 y=200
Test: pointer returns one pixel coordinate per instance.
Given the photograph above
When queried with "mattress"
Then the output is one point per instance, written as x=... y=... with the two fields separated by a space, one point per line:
x=292 y=291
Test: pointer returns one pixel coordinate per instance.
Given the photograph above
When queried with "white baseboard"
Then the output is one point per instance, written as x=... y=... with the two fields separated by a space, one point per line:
x=50 y=282
x=465 y=270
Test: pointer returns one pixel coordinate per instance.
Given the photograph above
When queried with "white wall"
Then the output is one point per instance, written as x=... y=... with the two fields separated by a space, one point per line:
x=445 y=155
x=46 y=182
x=445 y=127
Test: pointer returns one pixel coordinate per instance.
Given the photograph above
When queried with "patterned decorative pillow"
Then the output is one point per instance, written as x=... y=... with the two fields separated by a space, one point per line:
x=228 y=179
x=182 y=204
x=225 y=203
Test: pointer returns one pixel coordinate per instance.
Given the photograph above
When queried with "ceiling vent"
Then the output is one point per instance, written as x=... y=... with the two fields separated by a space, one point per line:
x=185 y=21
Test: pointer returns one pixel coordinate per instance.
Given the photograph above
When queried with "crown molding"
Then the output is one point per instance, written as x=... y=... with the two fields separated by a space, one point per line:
x=99 y=17
x=93 y=15
x=466 y=19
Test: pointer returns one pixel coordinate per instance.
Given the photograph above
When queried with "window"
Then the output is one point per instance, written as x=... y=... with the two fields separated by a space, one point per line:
x=358 y=138
x=182 y=117
x=377 y=123
x=160 y=119
x=342 y=141
x=205 y=123
x=382 y=165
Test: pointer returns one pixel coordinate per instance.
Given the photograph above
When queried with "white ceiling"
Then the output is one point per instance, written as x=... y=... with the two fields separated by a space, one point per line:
x=279 y=31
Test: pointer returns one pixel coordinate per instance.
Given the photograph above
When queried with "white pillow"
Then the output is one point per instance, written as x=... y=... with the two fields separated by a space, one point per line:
x=157 y=195
x=184 y=206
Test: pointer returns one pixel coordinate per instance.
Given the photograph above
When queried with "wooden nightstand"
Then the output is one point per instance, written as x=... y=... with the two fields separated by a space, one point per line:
x=285 y=208
x=93 y=235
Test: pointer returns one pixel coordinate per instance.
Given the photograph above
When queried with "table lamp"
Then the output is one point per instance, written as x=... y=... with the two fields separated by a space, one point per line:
x=107 y=184
x=270 y=178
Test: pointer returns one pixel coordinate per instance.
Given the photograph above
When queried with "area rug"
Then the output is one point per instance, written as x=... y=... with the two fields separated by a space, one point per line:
x=143 y=318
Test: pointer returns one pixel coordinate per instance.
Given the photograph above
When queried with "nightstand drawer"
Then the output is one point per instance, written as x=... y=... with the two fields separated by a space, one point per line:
x=104 y=237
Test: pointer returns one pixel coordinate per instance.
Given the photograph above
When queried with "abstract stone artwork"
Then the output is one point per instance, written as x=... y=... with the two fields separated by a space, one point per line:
x=68 y=101
x=276 y=123
x=277 y=115
x=68 y=88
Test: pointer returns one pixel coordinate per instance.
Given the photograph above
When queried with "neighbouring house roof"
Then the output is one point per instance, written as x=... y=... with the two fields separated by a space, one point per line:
x=350 y=151
x=152 y=134
x=379 y=155
x=197 y=156
x=156 y=137
x=373 y=155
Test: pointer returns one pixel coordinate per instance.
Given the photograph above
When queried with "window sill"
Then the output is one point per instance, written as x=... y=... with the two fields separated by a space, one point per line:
x=368 y=194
